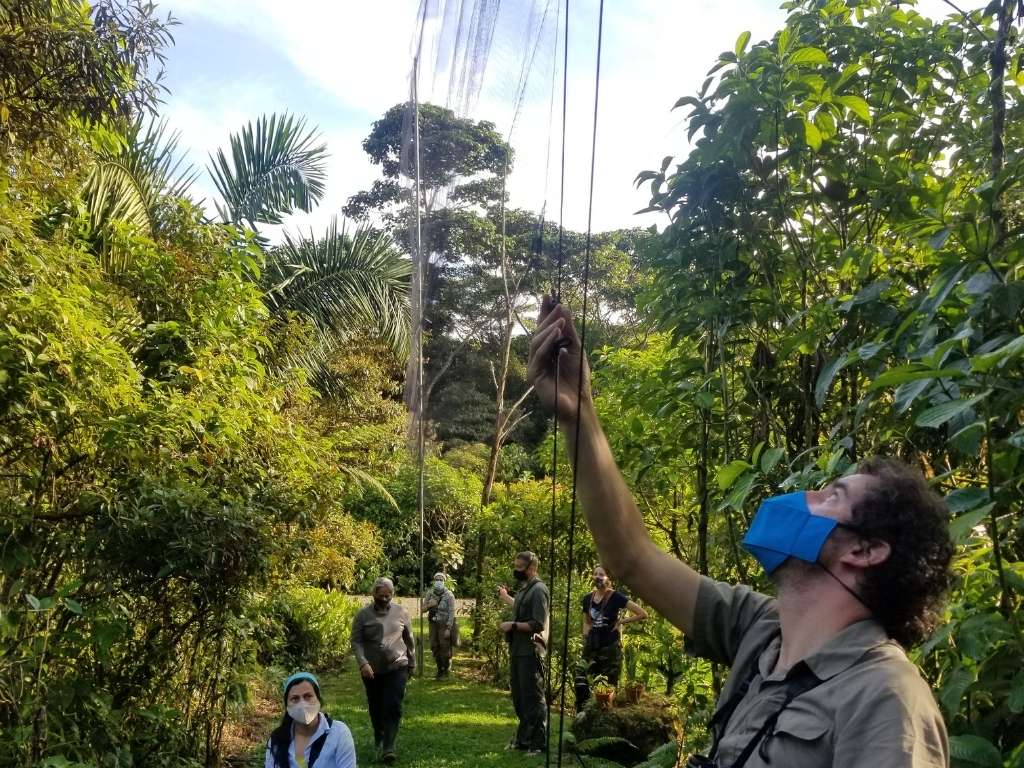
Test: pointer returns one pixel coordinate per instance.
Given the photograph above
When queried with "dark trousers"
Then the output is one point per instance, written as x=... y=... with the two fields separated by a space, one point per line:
x=528 y=700
x=384 y=695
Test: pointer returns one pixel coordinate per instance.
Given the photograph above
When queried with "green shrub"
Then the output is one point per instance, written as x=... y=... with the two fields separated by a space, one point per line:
x=304 y=627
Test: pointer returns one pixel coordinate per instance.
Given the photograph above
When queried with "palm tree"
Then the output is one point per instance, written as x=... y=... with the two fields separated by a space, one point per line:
x=338 y=283
x=341 y=284
x=276 y=166
x=135 y=168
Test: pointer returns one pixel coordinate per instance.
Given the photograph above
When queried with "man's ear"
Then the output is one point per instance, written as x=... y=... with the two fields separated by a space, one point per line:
x=867 y=553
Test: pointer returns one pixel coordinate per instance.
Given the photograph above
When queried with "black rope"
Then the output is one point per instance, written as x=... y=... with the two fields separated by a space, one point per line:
x=579 y=390
x=554 y=444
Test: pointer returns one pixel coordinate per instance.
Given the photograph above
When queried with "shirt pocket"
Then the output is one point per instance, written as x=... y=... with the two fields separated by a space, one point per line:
x=800 y=738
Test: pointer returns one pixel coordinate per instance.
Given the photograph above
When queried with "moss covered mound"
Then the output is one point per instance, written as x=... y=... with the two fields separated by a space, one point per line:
x=647 y=726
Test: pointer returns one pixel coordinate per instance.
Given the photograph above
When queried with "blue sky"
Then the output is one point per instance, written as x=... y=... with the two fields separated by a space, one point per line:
x=342 y=63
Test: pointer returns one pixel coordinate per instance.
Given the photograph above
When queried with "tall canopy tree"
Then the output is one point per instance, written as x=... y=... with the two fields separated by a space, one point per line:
x=842 y=277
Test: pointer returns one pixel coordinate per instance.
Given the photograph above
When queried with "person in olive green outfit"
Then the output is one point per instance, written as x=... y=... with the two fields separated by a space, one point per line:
x=439 y=605
x=527 y=635
x=820 y=674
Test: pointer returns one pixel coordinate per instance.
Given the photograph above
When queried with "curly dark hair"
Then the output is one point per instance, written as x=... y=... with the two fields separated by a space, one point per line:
x=906 y=591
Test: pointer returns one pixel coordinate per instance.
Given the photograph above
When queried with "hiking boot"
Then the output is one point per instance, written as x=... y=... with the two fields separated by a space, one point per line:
x=389 y=757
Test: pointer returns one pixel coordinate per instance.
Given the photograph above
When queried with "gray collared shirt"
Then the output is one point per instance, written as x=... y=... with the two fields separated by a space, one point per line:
x=872 y=708
x=532 y=605
x=384 y=639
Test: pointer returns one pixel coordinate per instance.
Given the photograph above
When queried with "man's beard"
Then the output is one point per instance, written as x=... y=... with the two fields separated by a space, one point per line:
x=794 y=577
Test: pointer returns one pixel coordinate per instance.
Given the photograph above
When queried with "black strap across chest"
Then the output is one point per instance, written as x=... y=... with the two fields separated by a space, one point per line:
x=522 y=600
x=281 y=738
x=801 y=680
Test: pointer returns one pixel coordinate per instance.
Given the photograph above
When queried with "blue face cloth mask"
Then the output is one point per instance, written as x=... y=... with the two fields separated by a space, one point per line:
x=784 y=527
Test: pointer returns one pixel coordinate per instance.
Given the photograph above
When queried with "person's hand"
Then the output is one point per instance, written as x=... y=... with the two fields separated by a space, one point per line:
x=502 y=591
x=447 y=632
x=506 y=626
x=366 y=671
x=554 y=325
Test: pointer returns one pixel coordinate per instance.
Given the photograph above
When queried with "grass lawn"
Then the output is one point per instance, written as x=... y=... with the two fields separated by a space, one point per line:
x=451 y=723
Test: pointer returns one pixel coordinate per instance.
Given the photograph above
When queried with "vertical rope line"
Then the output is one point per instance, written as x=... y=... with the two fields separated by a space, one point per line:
x=419 y=350
x=579 y=391
x=554 y=444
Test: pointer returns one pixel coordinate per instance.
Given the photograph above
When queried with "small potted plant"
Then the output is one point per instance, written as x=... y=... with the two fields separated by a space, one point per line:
x=604 y=692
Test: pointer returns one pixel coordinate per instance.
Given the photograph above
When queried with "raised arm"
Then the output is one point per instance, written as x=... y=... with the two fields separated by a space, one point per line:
x=504 y=596
x=625 y=547
x=637 y=614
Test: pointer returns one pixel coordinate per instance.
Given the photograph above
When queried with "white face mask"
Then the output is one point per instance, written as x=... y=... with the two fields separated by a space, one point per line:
x=438 y=585
x=304 y=713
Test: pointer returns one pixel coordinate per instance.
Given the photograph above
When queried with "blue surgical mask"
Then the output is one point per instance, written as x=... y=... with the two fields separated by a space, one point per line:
x=784 y=527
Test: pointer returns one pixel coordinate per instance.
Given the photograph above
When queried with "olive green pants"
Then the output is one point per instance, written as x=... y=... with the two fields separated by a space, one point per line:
x=528 y=700
x=441 y=647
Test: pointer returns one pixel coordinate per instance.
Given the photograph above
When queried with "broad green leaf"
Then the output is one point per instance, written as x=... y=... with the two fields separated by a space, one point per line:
x=771 y=458
x=905 y=373
x=937 y=240
x=739 y=493
x=975 y=750
x=73 y=605
x=968 y=439
x=808 y=55
x=827 y=375
x=812 y=135
x=857 y=105
x=33 y=601
x=1015 y=701
x=741 y=43
x=692 y=101
x=963 y=499
x=939 y=414
x=960 y=529
x=868 y=351
x=727 y=475
x=908 y=392
x=999 y=357
x=953 y=689
x=1015 y=575
x=704 y=399
x=784 y=39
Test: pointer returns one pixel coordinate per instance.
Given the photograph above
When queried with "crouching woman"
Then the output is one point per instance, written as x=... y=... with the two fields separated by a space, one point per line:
x=306 y=736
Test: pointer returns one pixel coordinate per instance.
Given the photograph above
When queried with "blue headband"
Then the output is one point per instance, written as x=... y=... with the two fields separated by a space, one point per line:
x=298 y=677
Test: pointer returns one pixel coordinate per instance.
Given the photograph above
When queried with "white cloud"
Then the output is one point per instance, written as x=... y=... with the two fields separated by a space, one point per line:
x=360 y=54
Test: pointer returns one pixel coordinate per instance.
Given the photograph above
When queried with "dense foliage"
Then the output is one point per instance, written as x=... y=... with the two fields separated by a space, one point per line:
x=203 y=437
x=842 y=276
x=168 y=478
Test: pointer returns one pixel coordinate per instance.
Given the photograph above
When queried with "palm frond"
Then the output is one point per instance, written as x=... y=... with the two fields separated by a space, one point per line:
x=276 y=166
x=133 y=171
x=343 y=284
